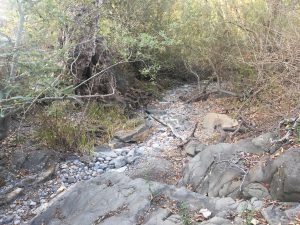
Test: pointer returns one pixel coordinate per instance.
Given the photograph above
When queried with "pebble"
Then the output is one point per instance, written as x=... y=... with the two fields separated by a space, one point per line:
x=31 y=203
x=156 y=145
x=100 y=170
x=100 y=159
x=7 y=219
x=108 y=158
x=71 y=180
x=64 y=166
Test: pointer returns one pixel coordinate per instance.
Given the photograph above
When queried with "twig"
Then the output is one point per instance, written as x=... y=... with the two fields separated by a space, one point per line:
x=286 y=137
x=231 y=163
x=192 y=136
x=229 y=93
x=203 y=96
x=223 y=134
x=236 y=130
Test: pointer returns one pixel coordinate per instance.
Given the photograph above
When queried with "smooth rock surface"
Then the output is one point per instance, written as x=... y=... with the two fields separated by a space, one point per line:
x=211 y=120
x=152 y=168
x=116 y=199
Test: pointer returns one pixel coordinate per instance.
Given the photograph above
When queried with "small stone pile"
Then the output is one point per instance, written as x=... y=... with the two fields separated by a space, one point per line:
x=67 y=174
x=102 y=161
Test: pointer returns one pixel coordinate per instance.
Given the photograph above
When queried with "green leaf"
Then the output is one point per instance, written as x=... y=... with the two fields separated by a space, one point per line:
x=68 y=90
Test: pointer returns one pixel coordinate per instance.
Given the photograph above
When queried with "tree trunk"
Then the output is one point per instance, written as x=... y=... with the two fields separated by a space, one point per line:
x=4 y=126
x=88 y=53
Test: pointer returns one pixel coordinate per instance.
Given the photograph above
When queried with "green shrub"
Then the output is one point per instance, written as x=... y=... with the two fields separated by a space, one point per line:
x=64 y=127
x=112 y=117
x=58 y=129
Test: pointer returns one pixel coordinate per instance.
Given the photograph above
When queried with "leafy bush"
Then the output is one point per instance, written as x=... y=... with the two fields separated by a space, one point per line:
x=253 y=44
x=58 y=129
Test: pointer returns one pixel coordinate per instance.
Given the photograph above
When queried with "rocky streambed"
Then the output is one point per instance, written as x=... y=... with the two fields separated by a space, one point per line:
x=147 y=176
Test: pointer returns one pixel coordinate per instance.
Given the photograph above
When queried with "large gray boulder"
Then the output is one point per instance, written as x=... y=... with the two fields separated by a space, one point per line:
x=285 y=184
x=114 y=198
x=280 y=174
x=152 y=168
x=275 y=215
x=219 y=170
x=34 y=161
x=193 y=147
x=210 y=172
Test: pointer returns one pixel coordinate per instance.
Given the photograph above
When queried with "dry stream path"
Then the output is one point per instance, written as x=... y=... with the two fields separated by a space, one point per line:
x=168 y=171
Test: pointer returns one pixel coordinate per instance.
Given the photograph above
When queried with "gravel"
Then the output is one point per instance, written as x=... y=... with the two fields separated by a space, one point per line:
x=104 y=159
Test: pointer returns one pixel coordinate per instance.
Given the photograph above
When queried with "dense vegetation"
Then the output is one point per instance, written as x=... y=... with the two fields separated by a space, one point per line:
x=253 y=45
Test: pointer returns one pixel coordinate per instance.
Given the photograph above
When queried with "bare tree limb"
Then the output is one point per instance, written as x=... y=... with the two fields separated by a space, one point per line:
x=189 y=67
x=14 y=61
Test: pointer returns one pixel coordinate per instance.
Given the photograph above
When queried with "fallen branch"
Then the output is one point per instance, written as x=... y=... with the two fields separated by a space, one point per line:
x=76 y=98
x=192 y=136
x=203 y=96
x=165 y=125
x=235 y=130
x=229 y=93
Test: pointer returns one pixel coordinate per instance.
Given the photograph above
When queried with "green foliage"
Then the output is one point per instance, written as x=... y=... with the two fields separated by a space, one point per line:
x=112 y=117
x=216 y=35
x=248 y=216
x=64 y=127
x=58 y=129
x=184 y=213
x=135 y=33
x=247 y=42
x=297 y=132
x=39 y=61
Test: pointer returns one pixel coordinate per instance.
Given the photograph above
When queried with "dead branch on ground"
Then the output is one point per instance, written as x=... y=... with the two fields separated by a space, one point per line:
x=286 y=137
x=165 y=125
x=191 y=137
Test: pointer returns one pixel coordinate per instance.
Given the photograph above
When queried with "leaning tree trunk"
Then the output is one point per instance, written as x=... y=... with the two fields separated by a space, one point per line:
x=88 y=55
